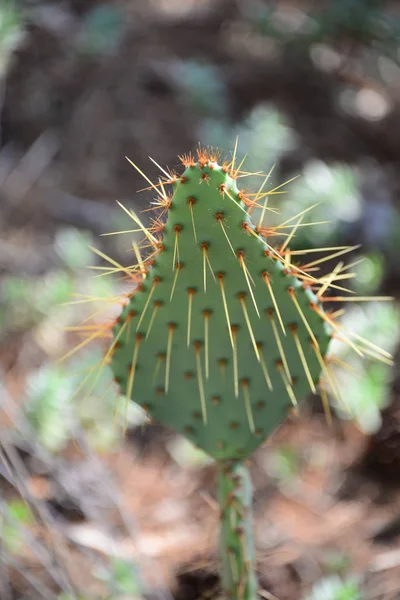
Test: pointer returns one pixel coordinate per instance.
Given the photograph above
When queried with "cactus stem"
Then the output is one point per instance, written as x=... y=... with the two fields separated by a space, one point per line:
x=248 y=323
x=178 y=267
x=279 y=343
x=236 y=539
x=302 y=358
x=171 y=329
x=220 y=277
x=197 y=347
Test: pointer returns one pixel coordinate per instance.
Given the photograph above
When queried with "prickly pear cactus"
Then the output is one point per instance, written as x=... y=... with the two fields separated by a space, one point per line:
x=223 y=331
x=220 y=338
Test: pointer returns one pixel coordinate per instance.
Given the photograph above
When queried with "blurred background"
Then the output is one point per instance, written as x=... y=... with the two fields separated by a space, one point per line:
x=310 y=87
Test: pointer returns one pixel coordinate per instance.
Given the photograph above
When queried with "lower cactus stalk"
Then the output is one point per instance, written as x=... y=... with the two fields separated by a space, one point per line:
x=237 y=553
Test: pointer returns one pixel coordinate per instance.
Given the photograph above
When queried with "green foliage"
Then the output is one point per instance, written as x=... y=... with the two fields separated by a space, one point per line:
x=265 y=133
x=335 y=188
x=102 y=31
x=72 y=246
x=11 y=33
x=186 y=454
x=202 y=86
x=364 y=387
x=16 y=515
x=362 y=21
x=54 y=408
x=335 y=588
x=28 y=301
x=284 y=464
x=370 y=273
x=336 y=562
x=48 y=406
x=121 y=578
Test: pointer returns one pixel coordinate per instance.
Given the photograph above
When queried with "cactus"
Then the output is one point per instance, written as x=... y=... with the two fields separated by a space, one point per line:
x=222 y=334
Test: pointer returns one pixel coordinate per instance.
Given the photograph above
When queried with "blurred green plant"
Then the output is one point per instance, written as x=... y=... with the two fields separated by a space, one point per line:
x=11 y=33
x=186 y=454
x=336 y=562
x=48 y=407
x=334 y=191
x=364 y=22
x=364 y=383
x=27 y=301
x=284 y=465
x=55 y=410
x=265 y=134
x=370 y=273
x=102 y=31
x=72 y=246
x=202 y=86
x=121 y=578
x=16 y=515
x=335 y=588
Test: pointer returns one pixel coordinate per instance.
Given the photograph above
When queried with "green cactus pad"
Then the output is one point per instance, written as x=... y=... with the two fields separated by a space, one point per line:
x=226 y=388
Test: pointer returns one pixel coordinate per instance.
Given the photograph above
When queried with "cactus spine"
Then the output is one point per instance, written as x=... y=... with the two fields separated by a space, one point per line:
x=222 y=334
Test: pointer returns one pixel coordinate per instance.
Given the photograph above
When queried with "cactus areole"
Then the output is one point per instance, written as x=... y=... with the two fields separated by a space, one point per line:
x=220 y=338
